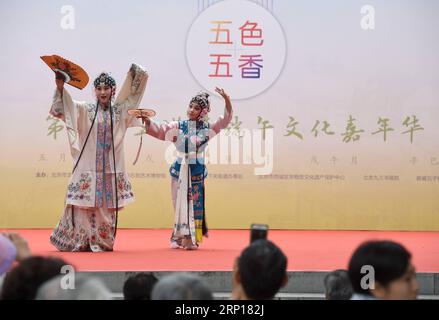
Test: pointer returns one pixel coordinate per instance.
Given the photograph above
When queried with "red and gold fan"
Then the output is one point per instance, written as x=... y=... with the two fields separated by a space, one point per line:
x=70 y=72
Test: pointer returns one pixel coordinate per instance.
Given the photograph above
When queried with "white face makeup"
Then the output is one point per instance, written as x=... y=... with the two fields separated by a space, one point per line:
x=193 y=111
x=103 y=94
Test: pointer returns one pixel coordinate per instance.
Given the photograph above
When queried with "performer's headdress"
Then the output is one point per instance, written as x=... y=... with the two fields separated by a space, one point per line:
x=105 y=78
x=202 y=99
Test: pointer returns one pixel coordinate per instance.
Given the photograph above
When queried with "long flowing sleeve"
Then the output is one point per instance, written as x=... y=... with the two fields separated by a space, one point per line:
x=70 y=112
x=131 y=94
x=57 y=108
x=166 y=131
x=222 y=122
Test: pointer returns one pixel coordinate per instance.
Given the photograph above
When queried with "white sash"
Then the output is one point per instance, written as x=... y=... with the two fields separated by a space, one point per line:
x=184 y=206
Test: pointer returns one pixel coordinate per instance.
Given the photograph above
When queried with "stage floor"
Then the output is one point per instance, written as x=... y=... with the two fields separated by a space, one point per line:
x=148 y=250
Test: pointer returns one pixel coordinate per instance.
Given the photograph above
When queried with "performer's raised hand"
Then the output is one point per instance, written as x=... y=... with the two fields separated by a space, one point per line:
x=226 y=97
x=222 y=93
x=145 y=119
x=59 y=80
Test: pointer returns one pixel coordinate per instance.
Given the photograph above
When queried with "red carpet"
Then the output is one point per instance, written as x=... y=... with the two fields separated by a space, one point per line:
x=148 y=250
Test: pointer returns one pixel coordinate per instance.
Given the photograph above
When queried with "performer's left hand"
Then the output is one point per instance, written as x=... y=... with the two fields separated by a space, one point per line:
x=222 y=93
x=145 y=120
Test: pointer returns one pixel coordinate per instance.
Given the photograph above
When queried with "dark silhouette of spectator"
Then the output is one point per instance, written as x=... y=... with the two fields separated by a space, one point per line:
x=13 y=247
x=139 y=286
x=85 y=288
x=181 y=286
x=259 y=272
x=338 y=285
x=23 y=282
x=382 y=270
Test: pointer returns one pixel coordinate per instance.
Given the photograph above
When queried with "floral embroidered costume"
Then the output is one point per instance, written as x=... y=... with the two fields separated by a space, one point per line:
x=189 y=171
x=99 y=185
